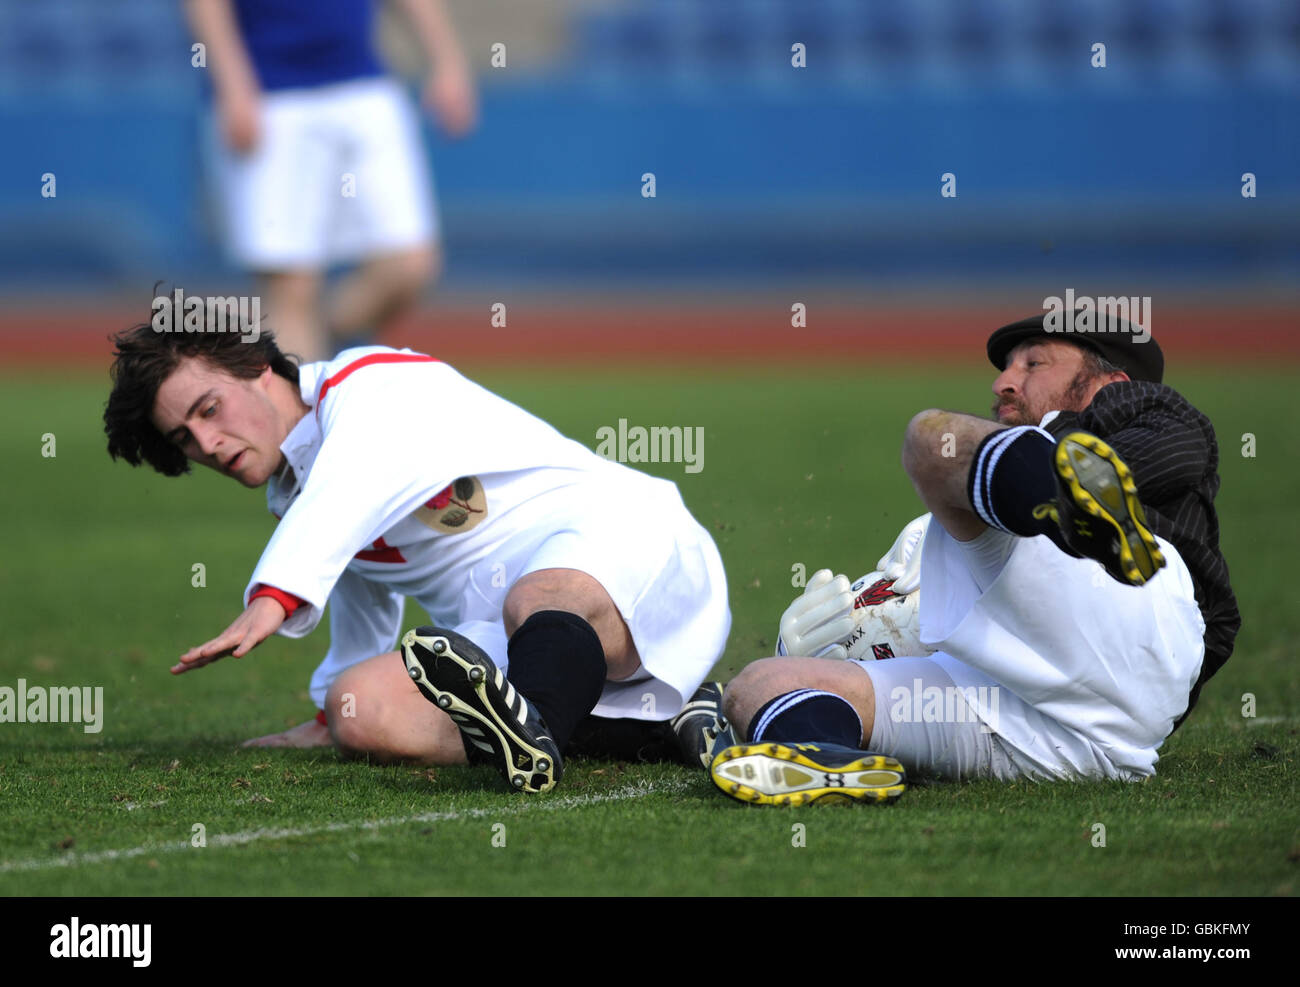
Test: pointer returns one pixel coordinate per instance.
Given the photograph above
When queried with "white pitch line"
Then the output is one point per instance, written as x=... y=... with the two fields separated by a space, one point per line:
x=253 y=835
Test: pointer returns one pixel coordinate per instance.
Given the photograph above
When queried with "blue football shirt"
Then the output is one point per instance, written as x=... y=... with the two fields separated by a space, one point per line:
x=298 y=43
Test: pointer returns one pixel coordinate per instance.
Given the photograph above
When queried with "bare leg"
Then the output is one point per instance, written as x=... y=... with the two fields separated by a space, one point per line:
x=764 y=680
x=575 y=592
x=380 y=289
x=937 y=452
x=375 y=710
x=290 y=301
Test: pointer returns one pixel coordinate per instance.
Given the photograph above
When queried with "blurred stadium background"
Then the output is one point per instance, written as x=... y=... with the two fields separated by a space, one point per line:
x=818 y=184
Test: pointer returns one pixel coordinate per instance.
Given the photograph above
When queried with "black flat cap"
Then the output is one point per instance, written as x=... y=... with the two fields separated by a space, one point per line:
x=1133 y=350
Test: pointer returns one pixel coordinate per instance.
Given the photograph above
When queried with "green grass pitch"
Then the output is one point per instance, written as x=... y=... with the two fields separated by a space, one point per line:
x=800 y=469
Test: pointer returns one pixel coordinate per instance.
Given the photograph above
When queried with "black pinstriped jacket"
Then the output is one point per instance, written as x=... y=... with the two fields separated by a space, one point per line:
x=1172 y=451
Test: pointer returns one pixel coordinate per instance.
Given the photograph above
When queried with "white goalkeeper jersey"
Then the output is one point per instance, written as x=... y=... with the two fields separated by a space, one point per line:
x=407 y=479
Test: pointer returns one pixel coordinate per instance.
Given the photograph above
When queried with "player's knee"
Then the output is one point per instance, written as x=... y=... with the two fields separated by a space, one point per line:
x=295 y=288
x=347 y=729
x=554 y=589
x=430 y=267
x=520 y=604
x=411 y=272
x=419 y=267
x=745 y=694
x=575 y=592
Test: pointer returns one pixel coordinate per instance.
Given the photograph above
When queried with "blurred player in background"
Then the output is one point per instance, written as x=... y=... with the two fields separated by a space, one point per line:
x=318 y=159
x=1028 y=659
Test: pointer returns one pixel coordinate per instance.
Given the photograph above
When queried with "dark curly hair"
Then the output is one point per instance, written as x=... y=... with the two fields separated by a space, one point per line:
x=143 y=358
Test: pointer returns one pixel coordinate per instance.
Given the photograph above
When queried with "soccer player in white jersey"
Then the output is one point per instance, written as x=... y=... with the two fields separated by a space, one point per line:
x=1075 y=596
x=585 y=582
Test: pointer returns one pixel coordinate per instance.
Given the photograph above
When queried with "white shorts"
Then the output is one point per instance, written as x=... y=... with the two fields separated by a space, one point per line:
x=1046 y=666
x=934 y=727
x=659 y=566
x=338 y=175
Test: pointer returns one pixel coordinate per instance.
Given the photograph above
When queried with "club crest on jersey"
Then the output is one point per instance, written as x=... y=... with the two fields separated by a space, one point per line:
x=458 y=507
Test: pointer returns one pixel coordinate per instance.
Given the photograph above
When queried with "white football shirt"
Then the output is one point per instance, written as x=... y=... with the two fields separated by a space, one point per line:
x=402 y=479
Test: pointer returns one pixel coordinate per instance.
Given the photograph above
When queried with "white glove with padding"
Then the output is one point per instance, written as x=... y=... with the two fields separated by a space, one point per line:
x=875 y=617
x=816 y=623
x=902 y=563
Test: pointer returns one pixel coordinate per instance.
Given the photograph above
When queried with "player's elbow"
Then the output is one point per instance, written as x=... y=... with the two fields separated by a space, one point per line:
x=922 y=441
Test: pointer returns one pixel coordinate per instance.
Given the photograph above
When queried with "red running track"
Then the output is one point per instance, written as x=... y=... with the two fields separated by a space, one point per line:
x=684 y=332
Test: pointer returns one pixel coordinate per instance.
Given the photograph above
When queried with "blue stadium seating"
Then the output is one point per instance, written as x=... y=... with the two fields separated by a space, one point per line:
x=894 y=92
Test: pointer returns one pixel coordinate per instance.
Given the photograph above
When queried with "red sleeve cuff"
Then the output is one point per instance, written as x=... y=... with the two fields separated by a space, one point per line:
x=286 y=600
x=320 y=718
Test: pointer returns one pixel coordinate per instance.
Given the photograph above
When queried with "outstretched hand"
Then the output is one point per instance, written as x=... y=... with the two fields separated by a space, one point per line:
x=258 y=622
x=309 y=734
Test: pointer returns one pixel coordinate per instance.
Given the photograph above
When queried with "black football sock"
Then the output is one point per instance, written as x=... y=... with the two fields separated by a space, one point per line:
x=807 y=716
x=642 y=741
x=558 y=664
x=1011 y=473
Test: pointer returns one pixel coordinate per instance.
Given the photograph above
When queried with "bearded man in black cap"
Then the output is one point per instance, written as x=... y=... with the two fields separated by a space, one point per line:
x=1075 y=596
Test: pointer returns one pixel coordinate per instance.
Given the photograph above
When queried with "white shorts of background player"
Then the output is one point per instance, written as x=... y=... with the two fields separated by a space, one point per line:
x=339 y=174
x=1067 y=673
